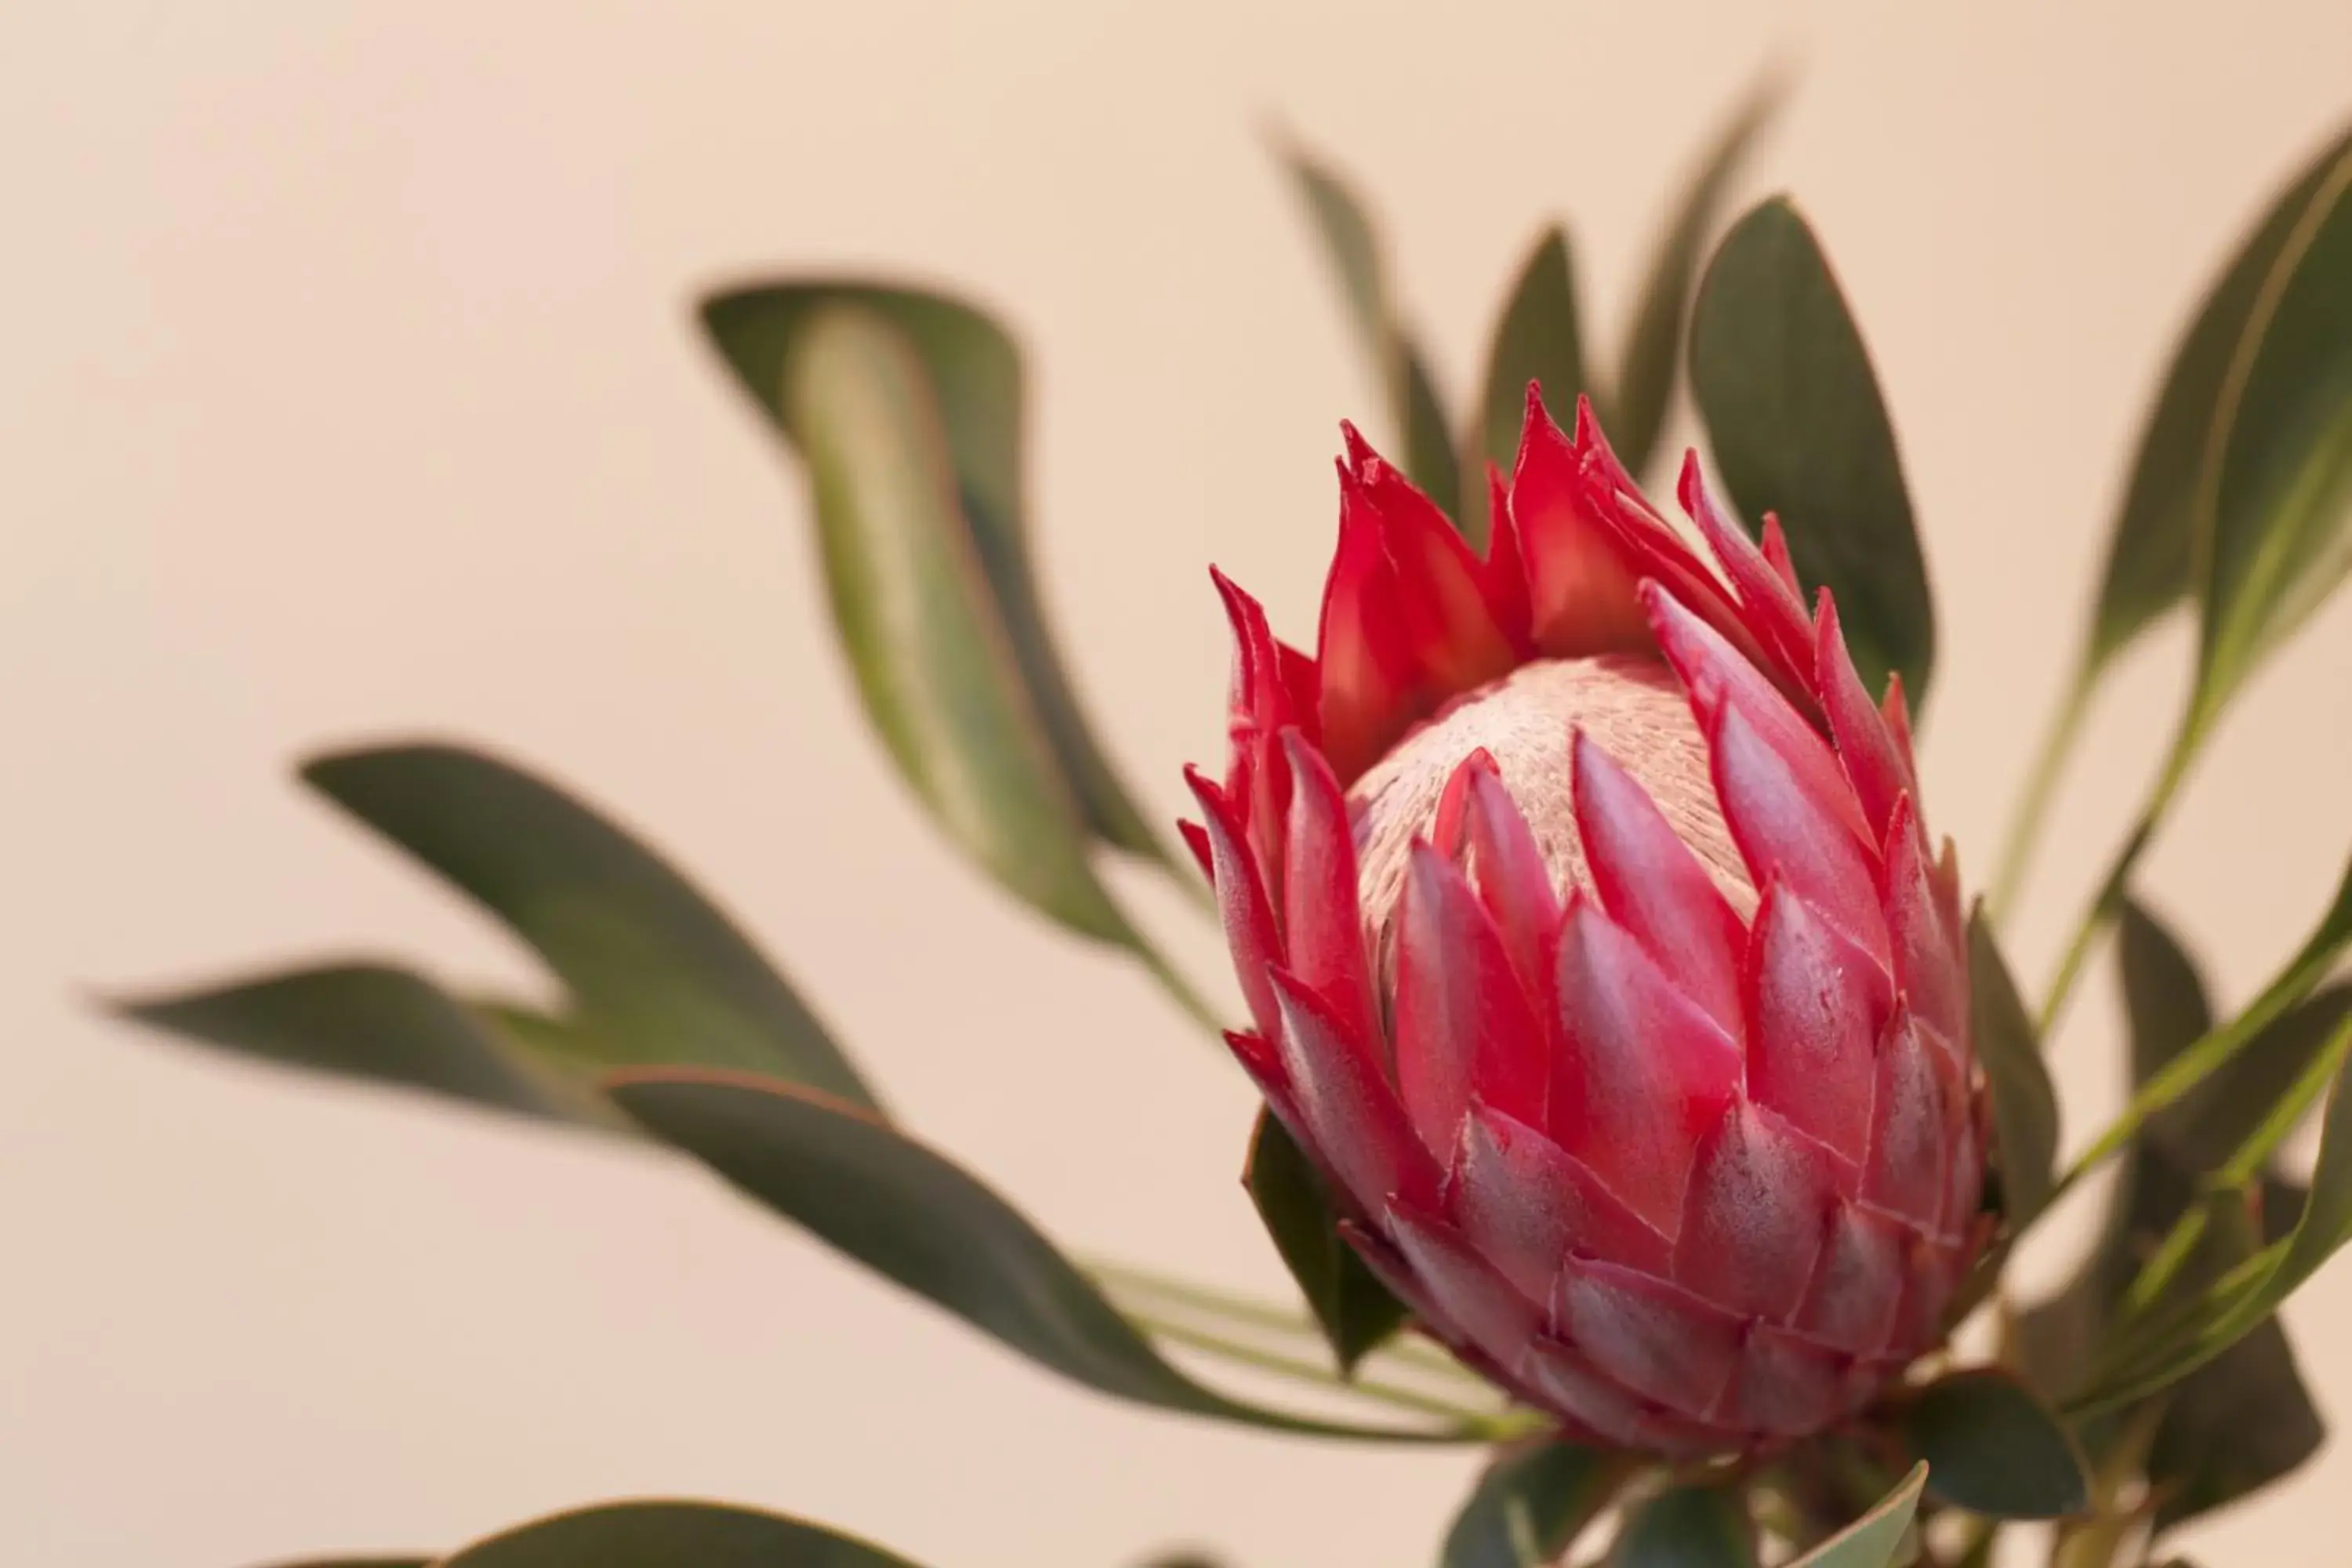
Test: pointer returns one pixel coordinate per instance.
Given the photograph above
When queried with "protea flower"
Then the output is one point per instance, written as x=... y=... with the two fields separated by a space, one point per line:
x=1596 y=955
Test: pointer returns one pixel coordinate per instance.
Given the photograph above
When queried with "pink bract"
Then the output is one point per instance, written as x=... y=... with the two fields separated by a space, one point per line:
x=1596 y=955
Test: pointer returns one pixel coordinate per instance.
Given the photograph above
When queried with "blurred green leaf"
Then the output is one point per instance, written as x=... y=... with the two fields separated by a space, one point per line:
x=1993 y=1448
x=652 y=967
x=1874 y=1540
x=1687 y=1527
x=1359 y=261
x=2245 y=1420
x=1530 y=1505
x=2277 y=474
x=923 y=632
x=1355 y=1310
x=2246 y=1298
x=671 y=1535
x=1635 y=415
x=1538 y=339
x=1799 y=429
x=371 y=1022
x=975 y=374
x=2151 y=557
x=908 y=1214
x=2024 y=1106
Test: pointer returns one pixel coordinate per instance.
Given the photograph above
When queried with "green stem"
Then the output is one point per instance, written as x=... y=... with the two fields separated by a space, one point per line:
x=1171 y=980
x=2040 y=787
x=2206 y=1056
x=1480 y=1423
x=2107 y=903
x=1253 y=1312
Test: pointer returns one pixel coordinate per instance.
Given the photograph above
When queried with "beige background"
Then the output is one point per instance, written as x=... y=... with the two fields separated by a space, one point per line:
x=346 y=387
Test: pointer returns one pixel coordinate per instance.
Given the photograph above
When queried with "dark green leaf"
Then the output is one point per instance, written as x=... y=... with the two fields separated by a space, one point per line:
x=1636 y=414
x=1688 y=1527
x=1872 y=1540
x=672 y=1535
x=1359 y=262
x=907 y=1213
x=2151 y=558
x=1539 y=339
x=2232 y=1429
x=1993 y=1448
x=975 y=372
x=1798 y=427
x=372 y=1022
x=1355 y=1310
x=924 y=634
x=2024 y=1106
x=2279 y=483
x=1530 y=1505
x=652 y=966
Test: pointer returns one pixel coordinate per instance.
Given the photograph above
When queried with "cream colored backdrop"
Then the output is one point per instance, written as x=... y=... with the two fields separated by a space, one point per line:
x=347 y=387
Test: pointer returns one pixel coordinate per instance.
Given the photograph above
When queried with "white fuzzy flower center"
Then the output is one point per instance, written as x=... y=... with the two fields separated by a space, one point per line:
x=1629 y=705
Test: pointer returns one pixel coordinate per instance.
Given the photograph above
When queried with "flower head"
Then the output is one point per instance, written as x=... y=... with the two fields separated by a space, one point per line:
x=1595 y=952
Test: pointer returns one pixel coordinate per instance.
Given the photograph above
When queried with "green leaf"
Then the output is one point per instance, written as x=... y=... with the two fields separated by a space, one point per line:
x=2151 y=557
x=908 y=1214
x=1538 y=339
x=2277 y=484
x=923 y=633
x=1993 y=1448
x=1360 y=263
x=1687 y=1527
x=2233 y=1428
x=1354 y=1308
x=1637 y=414
x=1798 y=428
x=375 y=1023
x=2024 y=1106
x=975 y=372
x=651 y=966
x=1872 y=1540
x=1530 y=1505
x=672 y=1535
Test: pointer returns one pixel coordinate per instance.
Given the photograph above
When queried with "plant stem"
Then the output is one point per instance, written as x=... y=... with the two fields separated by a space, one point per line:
x=1483 y=1424
x=2040 y=787
x=2107 y=903
x=1253 y=1312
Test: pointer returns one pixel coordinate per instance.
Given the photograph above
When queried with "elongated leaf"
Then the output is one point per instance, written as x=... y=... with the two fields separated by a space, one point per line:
x=672 y=1535
x=2024 y=1106
x=1687 y=1527
x=2151 y=557
x=1530 y=1505
x=371 y=1022
x=651 y=964
x=1872 y=1540
x=913 y=1217
x=1798 y=427
x=975 y=372
x=1355 y=1310
x=924 y=634
x=2244 y=1422
x=1359 y=262
x=1635 y=413
x=1538 y=339
x=1991 y=1447
x=2279 y=475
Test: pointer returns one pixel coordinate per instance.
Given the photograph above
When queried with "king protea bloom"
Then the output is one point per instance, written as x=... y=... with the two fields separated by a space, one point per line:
x=1597 y=956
